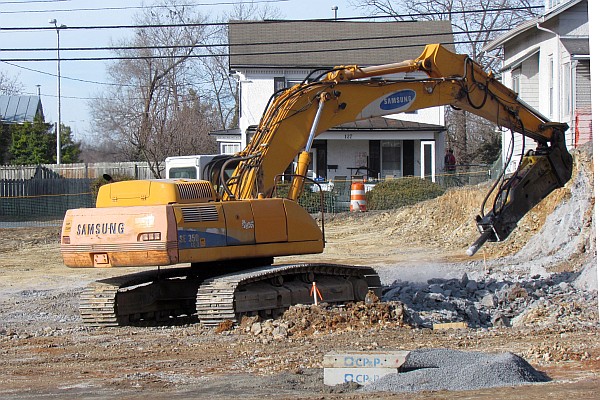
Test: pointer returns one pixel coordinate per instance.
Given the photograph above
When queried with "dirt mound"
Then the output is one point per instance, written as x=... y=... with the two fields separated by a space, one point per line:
x=448 y=221
x=308 y=320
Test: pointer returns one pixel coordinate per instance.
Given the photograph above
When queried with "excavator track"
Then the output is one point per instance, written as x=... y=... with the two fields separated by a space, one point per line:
x=178 y=295
x=147 y=298
x=269 y=291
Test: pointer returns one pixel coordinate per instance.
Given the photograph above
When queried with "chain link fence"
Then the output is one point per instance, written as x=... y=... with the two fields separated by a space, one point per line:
x=336 y=192
x=45 y=196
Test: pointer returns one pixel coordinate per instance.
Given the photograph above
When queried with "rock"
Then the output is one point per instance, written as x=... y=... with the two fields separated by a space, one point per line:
x=371 y=298
x=500 y=321
x=472 y=286
x=256 y=329
x=436 y=288
x=489 y=301
x=436 y=297
x=419 y=297
x=472 y=314
x=224 y=326
x=267 y=327
x=247 y=322
x=464 y=280
x=392 y=293
x=517 y=291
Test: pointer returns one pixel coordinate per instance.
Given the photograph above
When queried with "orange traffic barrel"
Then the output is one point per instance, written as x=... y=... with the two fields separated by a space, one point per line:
x=358 y=199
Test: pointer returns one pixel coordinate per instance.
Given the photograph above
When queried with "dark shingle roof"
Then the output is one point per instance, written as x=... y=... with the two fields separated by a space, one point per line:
x=315 y=44
x=387 y=124
x=19 y=109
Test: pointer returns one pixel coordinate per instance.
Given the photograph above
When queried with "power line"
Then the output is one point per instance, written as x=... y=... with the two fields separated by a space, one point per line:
x=223 y=24
x=218 y=45
x=223 y=3
x=54 y=75
x=83 y=80
x=33 y=1
x=157 y=57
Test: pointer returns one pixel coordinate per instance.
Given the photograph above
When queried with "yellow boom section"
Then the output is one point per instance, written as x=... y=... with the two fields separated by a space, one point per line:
x=350 y=93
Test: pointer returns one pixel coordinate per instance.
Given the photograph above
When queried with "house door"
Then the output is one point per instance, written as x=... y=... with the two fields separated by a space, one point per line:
x=428 y=159
x=391 y=158
x=408 y=158
x=320 y=158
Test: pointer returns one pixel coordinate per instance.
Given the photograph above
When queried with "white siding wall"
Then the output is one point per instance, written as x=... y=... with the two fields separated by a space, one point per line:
x=554 y=91
x=257 y=88
x=432 y=115
x=574 y=22
x=350 y=154
x=256 y=92
x=530 y=84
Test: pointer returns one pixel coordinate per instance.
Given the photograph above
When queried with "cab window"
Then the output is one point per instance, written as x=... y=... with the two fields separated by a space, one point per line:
x=183 y=173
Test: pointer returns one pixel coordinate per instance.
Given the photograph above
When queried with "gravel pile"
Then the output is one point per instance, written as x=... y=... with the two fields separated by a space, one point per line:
x=495 y=302
x=443 y=369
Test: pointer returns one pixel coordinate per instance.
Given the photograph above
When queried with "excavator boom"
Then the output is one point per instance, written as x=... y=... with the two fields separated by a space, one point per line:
x=349 y=93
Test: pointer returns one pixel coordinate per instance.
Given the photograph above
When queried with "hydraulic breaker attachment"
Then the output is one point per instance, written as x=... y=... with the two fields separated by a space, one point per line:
x=540 y=172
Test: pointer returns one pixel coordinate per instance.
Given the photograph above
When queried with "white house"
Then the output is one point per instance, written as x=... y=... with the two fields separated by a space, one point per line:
x=547 y=62
x=270 y=55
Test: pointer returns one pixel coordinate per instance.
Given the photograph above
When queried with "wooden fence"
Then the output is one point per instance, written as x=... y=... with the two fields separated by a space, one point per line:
x=136 y=170
x=33 y=192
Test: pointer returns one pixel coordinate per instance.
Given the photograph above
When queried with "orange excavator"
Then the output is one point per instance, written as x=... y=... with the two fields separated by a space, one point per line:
x=226 y=230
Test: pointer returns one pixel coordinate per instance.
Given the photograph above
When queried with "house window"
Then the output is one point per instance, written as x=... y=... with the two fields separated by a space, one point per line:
x=230 y=148
x=292 y=82
x=516 y=80
x=552 y=3
x=551 y=83
x=391 y=158
x=566 y=88
x=279 y=82
x=428 y=160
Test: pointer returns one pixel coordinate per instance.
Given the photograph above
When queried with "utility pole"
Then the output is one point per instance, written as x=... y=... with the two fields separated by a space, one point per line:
x=58 y=28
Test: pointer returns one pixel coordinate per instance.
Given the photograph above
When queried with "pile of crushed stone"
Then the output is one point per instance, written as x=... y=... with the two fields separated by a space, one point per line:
x=491 y=302
x=444 y=369
x=550 y=280
x=496 y=302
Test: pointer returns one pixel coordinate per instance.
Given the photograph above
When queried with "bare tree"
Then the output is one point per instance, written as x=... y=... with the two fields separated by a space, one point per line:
x=10 y=85
x=153 y=110
x=475 y=23
x=221 y=88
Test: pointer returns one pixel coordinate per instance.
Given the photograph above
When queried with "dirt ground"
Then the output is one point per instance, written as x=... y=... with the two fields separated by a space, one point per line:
x=46 y=351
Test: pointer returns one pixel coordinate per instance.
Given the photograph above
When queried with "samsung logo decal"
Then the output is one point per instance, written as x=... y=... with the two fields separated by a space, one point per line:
x=399 y=100
x=112 y=228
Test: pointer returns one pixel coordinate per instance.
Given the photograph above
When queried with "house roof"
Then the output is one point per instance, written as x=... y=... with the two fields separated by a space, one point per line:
x=530 y=24
x=377 y=124
x=387 y=124
x=316 y=44
x=19 y=109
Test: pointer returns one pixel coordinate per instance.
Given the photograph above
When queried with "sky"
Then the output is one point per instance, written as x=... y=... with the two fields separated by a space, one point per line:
x=82 y=80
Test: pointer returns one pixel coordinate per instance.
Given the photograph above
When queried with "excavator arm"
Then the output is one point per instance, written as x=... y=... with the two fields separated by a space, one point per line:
x=295 y=116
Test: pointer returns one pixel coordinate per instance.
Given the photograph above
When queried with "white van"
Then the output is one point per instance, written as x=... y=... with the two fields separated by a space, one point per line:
x=187 y=167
